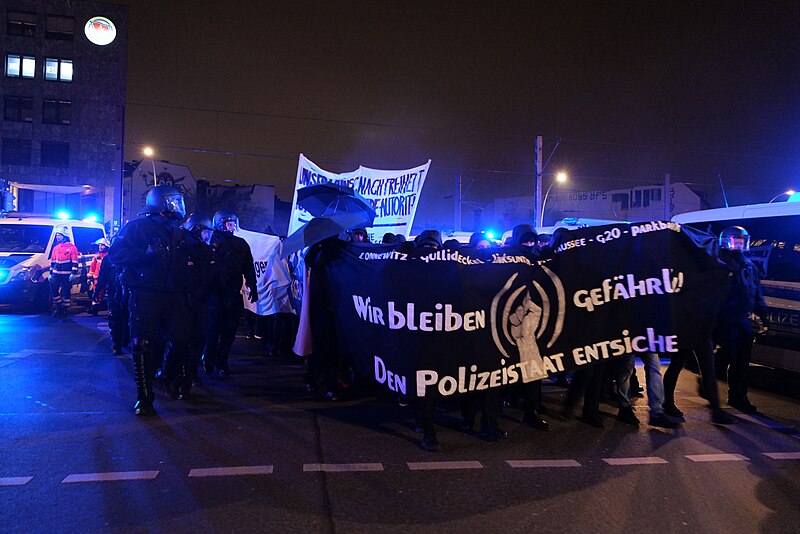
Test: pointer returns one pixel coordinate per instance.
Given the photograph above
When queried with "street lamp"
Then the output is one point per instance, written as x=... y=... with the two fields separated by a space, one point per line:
x=148 y=151
x=560 y=178
x=788 y=193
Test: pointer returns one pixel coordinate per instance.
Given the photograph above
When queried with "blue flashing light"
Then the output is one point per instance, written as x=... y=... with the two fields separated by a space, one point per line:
x=63 y=215
x=489 y=234
x=91 y=218
x=795 y=197
x=4 y=275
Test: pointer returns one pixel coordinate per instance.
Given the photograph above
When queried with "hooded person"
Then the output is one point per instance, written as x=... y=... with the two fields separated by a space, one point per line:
x=429 y=239
x=523 y=235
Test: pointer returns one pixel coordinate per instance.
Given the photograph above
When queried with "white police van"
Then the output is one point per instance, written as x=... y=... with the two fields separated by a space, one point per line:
x=774 y=230
x=25 y=246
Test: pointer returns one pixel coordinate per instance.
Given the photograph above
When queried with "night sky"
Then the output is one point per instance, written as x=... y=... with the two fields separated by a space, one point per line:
x=238 y=89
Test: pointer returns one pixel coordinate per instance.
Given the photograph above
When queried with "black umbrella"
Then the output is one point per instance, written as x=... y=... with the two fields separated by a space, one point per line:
x=320 y=228
x=330 y=198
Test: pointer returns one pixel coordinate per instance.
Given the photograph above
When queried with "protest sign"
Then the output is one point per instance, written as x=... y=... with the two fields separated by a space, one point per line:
x=272 y=274
x=393 y=193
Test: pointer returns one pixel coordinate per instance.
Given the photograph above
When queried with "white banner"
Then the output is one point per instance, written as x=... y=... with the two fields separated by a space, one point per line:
x=272 y=274
x=394 y=194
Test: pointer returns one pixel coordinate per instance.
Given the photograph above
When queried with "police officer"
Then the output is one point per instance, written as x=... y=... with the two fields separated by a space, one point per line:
x=200 y=259
x=145 y=251
x=234 y=261
x=734 y=332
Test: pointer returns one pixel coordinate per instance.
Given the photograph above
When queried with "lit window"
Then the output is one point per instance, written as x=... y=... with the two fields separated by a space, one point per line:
x=21 y=23
x=28 y=67
x=58 y=69
x=18 y=108
x=13 y=65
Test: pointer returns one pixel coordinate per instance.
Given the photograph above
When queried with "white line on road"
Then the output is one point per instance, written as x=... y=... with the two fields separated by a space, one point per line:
x=783 y=455
x=110 y=477
x=642 y=460
x=338 y=468
x=15 y=481
x=717 y=457
x=426 y=466
x=543 y=463
x=231 y=471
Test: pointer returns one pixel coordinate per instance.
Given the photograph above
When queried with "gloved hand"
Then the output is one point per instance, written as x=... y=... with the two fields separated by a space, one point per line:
x=253 y=296
x=72 y=278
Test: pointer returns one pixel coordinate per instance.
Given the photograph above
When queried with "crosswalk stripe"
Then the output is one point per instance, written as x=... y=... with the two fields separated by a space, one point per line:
x=14 y=481
x=231 y=471
x=717 y=457
x=428 y=466
x=783 y=455
x=643 y=460
x=339 y=468
x=543 y=463
x=110 y=477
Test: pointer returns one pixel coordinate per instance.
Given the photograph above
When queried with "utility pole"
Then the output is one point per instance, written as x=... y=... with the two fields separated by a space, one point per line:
x=457 y=202
x=666 y=197
x=537 y=182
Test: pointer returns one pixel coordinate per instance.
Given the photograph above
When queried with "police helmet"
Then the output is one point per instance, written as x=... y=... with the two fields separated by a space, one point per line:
x=167 y=200
x=734 y=238
x=223 y=216
x=196 y=222
x=103 y=241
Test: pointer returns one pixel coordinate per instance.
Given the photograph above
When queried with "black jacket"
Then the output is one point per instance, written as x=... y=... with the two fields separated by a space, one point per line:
x=201 y=266
x=145 y=252
x=744 y=294
x=235 y=261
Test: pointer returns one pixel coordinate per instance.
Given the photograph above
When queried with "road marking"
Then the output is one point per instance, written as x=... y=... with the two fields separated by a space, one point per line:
x=717 y=457
x=641 y=460
x=110 y=477
x=783 y=455
x=231 y=471
x=338 y=468
x=764 y=421
x=542 y=463
x=15 y=481
x=428 y=466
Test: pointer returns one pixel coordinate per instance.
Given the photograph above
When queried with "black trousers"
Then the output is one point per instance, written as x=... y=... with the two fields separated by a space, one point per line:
x=735 y=348
x=587 y=381
x=489 y=403
x=225 y=311
x=708 y=378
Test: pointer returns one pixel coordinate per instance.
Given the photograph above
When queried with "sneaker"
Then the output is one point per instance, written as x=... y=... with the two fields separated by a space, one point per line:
x=672 y=410
x=743 y=405
x=143 y=408
x=719 y=417
x=664 y=421
x=627 y=416
x=429 y=442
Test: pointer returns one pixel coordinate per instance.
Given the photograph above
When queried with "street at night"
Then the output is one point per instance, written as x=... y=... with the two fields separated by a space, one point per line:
x=255 y=453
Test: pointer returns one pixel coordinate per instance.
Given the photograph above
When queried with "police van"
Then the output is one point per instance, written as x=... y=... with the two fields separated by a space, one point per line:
x=25 y=246
x=774 y=230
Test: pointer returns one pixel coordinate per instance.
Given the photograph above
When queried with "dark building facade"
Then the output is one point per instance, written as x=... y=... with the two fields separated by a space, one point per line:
x=63 y=96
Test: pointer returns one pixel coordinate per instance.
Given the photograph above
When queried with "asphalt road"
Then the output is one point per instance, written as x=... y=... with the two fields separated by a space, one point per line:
x=255 y=453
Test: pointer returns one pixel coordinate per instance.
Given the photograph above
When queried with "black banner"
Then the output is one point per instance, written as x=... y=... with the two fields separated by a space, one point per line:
x=466 y=320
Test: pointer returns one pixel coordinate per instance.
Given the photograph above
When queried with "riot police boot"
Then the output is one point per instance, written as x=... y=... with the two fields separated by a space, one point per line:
x=144 y=387
x=184 y=383
x=208 y=365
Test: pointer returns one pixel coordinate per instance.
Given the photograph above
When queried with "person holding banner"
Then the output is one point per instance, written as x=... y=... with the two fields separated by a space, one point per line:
x=235 y=261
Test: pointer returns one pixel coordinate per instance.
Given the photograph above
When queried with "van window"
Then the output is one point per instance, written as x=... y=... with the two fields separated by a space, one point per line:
x=774 y=243
x=24 y=237
x=85 y=238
